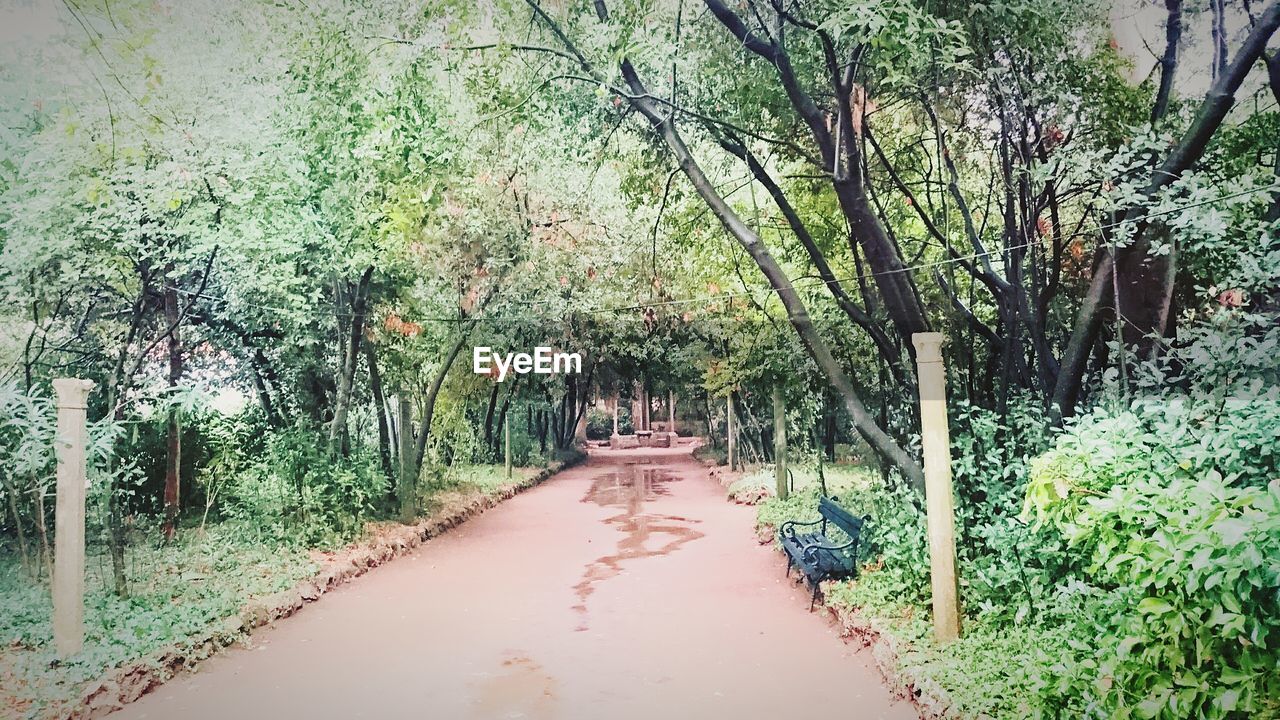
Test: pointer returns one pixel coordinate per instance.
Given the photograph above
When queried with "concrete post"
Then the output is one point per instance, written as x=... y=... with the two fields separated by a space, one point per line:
x=780 y=444
x=671 y=411
x=615 y=415
x=68 y=566
x=728 y=427
x=580 y=429
x=637 y=407
x=939 y=500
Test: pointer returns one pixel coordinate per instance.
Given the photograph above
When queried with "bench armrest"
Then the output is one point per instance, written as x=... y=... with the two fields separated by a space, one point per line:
x=811 y=551
x=788 y=527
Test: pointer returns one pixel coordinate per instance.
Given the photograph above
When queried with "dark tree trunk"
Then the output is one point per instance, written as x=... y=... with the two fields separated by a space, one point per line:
x=380 y=410
x=429 y=404
x=1168 y=61
x=1145 y=282
x=351 y=359
x=488 y=415
x=173 y=425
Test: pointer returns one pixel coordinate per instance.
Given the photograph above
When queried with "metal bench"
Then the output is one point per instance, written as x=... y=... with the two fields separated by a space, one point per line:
x=815 y=553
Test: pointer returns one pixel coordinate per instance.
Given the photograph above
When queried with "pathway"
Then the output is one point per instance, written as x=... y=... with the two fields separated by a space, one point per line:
x=624 y=588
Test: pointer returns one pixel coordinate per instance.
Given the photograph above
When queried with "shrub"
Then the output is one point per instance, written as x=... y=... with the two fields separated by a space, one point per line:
x=1187 y=561
x=600 y=423
x=297 y=492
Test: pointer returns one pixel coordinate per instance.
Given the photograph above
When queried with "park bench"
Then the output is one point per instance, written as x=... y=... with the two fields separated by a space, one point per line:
x=816 y=554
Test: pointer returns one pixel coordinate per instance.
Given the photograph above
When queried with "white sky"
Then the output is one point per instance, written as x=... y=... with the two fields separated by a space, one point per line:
x=1138 y=27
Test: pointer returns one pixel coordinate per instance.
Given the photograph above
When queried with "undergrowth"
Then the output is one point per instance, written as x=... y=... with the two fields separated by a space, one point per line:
x=181 y=590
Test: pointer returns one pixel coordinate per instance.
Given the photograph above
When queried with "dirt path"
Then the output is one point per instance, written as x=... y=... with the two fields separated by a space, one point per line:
x=624 y=588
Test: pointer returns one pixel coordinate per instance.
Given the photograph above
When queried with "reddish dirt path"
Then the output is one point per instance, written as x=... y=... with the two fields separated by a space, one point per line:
x=624 y=588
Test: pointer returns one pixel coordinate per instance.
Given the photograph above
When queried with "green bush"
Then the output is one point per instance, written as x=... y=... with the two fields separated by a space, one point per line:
x=298 y=492
x=713 y=454
x=1187 y=560
x=600 y=423
x=1139 y=579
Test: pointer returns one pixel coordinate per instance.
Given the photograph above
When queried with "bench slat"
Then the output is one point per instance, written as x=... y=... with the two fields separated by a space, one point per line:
x=841 y=518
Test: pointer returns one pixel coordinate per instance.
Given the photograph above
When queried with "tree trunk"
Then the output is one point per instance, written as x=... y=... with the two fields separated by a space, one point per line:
x=1169 y=61
x=46 y=557
x=346 y=380
x=579 y=414
x=11 y=489
x=173 y=448
x=1145 y=286
x=429 y=404
x=380 y=409
x=488 y=416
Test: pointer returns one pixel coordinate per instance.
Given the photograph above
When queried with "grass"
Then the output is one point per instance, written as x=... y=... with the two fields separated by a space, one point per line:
x=995 y=670
x=179 y=591
x=841 y=481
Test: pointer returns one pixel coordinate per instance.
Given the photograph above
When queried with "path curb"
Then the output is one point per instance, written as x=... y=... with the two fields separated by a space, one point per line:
x=930 y=699
x=129 y=682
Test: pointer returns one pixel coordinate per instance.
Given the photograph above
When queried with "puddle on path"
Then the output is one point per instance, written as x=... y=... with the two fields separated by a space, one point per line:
x=629 y=489
x=522 y=689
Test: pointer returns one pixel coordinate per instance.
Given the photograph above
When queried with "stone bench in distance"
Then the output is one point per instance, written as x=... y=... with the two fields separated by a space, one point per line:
x=623 y=442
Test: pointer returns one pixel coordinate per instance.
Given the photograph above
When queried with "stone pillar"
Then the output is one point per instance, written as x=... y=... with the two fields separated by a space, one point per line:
x=671 y=412
x=939 y=500
x=580 y=430
x=637 y=407
x=68 y=544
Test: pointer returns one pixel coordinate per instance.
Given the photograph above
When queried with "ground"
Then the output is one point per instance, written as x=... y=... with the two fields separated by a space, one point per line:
x=624 y=588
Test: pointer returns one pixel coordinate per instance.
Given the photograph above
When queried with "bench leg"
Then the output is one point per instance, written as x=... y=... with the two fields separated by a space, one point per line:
x=788 y=566
x=817 y=588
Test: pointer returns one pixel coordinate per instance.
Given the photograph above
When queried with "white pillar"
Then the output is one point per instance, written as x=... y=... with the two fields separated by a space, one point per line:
x=671 y=411
x=939 y=500
x=728 y=428
x=637 y=407
x=68 y=552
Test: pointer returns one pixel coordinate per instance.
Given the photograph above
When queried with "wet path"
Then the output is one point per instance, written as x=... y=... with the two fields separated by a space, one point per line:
x=624 y=588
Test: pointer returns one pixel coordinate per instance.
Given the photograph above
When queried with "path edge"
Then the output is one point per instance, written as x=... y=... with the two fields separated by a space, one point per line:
x=128 y=682
x=931 y=701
